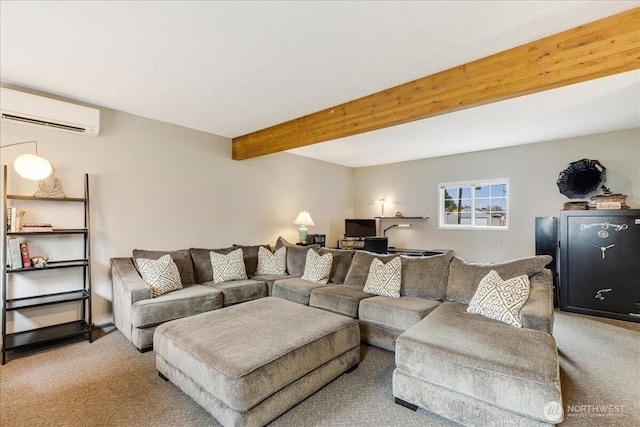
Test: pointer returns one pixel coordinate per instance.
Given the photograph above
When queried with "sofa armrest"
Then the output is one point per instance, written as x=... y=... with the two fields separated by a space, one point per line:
x=128 y=288
x=537 y=312
x=125 y=275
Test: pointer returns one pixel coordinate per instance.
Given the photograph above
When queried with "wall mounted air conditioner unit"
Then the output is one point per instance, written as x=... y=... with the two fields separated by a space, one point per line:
x=25 y=108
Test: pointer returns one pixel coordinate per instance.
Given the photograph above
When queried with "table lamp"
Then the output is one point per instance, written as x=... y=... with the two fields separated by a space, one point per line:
x=303 y=219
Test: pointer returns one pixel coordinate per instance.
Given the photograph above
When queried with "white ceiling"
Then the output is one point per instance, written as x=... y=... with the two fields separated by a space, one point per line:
x=231 y=68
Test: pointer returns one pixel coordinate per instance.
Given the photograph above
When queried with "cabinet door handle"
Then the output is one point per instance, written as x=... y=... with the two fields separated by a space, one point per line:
x=604 y=249
x=599 y=293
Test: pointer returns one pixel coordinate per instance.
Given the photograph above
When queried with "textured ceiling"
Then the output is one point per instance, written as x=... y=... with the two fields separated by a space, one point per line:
x=230 y=68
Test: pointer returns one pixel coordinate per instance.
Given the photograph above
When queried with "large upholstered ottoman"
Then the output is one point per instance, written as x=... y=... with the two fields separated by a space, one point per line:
x=249 y=363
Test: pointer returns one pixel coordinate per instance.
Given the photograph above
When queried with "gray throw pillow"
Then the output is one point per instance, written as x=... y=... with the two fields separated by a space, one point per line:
x=271 y=264
x=359 y=270
x=500 y=299
x=228 y=267
x=202 y=262
x=341 y=262
x=161 y=275
x=465 y=276
x=180 y=257
x=317 y=267
x=384 y=279
x=296 y=255
x=250 y=255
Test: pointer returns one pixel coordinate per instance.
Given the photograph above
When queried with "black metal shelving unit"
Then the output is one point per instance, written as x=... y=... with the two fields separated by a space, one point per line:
x=82 y=295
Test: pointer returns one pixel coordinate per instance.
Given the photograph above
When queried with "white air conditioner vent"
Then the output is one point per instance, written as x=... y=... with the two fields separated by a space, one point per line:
x=25 y=108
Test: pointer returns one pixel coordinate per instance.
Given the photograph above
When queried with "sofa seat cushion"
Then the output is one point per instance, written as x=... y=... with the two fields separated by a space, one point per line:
x=269 y=279
x=516 y=369
x=191 y=299
x=395 y=313
x=341 y=299
x=295 y=289
x=237 y=291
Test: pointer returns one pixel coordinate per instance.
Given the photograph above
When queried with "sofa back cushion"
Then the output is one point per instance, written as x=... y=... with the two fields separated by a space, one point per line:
x=465 y=276
x=202 y=262
x=341 y=262
x=250 y=256
x=180 y=257
x=425 y=277
x=296 y=256
x=359 y=270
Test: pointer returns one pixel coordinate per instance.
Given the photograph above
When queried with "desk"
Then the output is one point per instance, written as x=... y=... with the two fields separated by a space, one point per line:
x=416 y=252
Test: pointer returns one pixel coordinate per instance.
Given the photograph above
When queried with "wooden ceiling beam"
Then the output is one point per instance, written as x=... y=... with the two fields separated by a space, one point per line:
x=599 y=49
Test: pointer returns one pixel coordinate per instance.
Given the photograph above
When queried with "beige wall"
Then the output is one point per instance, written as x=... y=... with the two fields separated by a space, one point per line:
x=154 y=185
x=532 y=169
x=159 y=186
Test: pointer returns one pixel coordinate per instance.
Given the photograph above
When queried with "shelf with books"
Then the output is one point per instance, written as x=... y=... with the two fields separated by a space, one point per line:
x=17 y=234
x=44 y=233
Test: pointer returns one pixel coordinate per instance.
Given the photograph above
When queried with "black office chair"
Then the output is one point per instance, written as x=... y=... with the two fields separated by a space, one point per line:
x=379 y=245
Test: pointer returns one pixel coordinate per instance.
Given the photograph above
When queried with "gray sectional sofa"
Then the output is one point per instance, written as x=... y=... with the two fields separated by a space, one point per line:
x=137 y=314
x=463 y=366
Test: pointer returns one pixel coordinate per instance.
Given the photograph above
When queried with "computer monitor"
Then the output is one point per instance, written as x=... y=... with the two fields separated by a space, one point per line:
x=359 y=227
x=379 y=245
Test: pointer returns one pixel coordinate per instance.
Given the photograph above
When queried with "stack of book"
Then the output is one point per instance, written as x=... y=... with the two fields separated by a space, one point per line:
x=18 y=251
x=14 y=219
x=36 y=227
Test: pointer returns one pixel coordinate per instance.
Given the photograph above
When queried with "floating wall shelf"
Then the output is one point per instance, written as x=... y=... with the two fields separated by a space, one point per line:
x=401 y=217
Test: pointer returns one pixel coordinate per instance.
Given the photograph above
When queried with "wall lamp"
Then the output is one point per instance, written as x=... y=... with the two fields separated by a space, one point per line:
x=384 y=232
x=31 y=166
x=382 y=203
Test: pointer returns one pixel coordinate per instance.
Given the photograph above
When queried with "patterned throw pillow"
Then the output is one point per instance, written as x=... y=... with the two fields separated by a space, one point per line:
x=228 y=267
x=161 y=275
x=317 y=267
x=500 y=299
x=271 y=264
x=384 y=279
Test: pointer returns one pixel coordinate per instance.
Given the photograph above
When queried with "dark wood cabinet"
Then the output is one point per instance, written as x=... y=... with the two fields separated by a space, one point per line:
x=600 y=263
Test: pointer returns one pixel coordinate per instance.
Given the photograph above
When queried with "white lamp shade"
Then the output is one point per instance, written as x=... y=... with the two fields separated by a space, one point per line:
x=303 y=218
x=33 y=167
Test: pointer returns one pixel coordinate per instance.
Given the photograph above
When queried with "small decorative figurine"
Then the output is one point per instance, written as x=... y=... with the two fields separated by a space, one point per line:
x=50 y=187
x=39 y=261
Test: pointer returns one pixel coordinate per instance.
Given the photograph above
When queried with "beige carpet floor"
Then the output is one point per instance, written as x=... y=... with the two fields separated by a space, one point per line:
x=109 y=383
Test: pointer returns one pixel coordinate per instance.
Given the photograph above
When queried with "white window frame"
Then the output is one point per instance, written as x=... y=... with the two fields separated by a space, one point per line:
x=442 y=224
